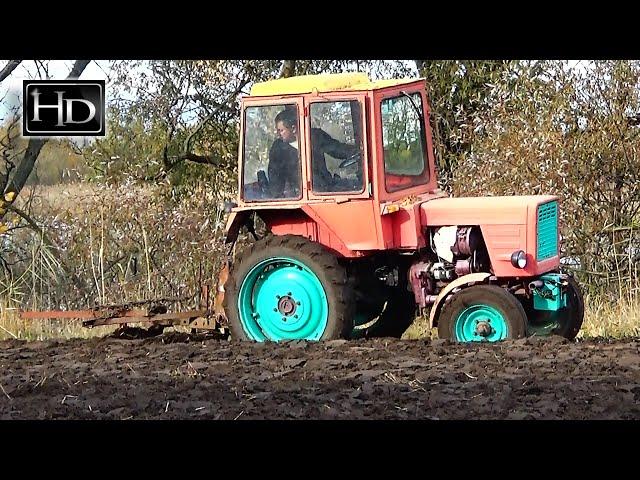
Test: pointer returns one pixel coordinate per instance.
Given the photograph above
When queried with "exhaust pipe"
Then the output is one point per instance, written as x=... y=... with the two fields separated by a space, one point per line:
x=536 y=284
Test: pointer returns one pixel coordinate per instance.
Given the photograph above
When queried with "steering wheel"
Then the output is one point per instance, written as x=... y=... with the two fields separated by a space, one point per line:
x=352 y=160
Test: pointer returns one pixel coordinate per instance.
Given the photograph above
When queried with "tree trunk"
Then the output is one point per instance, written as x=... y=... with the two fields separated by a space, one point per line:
x=288 y=69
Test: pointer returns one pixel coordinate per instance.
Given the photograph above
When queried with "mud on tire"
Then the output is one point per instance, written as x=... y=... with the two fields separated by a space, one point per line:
x=300 y=255
x=459 y=318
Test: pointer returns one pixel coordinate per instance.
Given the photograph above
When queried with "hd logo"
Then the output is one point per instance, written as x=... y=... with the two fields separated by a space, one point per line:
x=63 y=107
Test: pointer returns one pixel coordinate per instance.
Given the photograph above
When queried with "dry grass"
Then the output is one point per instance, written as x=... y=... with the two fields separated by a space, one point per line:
x=614 y=320
x=100 y=232
x=12 y=326
x=420 y=329
x=112 y=245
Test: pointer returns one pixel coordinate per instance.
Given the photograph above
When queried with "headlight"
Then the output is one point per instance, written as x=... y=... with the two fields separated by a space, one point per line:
x=519 y=259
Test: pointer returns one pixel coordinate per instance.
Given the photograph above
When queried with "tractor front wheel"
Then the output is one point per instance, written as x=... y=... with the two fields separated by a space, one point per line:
x=482 y=313
x=288 y=288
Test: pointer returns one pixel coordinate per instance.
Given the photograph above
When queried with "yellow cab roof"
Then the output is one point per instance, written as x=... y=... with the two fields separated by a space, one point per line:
x=325 y=82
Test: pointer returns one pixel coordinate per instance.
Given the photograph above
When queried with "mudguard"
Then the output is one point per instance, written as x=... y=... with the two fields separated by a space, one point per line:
x=234 y=222
x=458 y=282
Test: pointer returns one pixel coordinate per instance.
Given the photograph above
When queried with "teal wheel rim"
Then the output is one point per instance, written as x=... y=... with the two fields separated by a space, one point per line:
x=282 y=299
x=480 y=323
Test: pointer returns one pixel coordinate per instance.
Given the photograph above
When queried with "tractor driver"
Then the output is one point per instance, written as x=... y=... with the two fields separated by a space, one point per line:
x=284 y=158
x=284 y=168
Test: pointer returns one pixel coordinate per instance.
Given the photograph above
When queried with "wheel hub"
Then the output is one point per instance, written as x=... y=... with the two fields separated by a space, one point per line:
x=287 y=305
x=483 y=328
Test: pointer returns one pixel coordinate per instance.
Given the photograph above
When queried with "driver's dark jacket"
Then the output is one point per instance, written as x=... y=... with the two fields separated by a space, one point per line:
x=284 y=165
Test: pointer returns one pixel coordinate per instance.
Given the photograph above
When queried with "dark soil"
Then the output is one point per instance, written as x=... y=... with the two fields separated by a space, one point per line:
x=177 y=376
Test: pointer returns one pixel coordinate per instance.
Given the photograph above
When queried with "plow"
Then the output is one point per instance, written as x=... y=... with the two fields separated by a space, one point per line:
x=207 y=316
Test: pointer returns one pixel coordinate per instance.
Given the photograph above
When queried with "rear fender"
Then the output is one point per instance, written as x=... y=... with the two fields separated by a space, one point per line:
x=288 y=221
x=235 y=221
x=461 y=282
x=303 y=222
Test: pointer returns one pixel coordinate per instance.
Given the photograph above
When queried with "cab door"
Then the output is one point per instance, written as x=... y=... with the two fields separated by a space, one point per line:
x=338 y=169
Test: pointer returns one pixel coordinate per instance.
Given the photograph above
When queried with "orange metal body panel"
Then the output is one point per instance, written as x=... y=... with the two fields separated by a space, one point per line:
x=345 y=236
x=354 y=222
x=401 y=221
x=305 y=223
x=507 y=224
x=406 y=228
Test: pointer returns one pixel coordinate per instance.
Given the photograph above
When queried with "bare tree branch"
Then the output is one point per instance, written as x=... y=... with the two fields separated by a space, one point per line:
x=171 y=162
x=203 y=122
x=8 y=68
x=207 y=159
x=22 y=172
x=78 y=68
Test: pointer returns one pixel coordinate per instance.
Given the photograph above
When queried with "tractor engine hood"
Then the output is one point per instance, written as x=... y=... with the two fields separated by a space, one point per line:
x=481 y=210
x=509 y=225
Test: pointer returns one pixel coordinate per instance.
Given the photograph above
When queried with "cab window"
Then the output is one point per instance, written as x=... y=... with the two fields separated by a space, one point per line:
x=403 y=139
x=271 y=154
x=336 y=147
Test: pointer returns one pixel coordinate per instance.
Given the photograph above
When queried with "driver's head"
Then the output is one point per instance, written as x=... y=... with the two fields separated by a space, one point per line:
x=286 y=126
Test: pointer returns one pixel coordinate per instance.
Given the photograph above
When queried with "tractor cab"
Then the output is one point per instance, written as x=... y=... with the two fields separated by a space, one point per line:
x=322 y=138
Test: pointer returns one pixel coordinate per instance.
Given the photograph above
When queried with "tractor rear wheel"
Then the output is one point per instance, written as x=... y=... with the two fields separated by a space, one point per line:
x=482 y=313
x=565 y=322
x=288 y=288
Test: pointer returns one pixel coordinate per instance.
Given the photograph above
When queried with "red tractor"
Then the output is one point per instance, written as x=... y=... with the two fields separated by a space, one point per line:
x=341 y=171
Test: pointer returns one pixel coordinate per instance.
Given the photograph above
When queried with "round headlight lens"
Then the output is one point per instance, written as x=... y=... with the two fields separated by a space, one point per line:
x=519 y=259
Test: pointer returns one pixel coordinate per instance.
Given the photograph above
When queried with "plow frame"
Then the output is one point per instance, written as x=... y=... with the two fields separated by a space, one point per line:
x=205 y=317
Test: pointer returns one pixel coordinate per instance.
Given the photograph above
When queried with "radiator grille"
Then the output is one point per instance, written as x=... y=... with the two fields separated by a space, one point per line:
x=547 y=230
